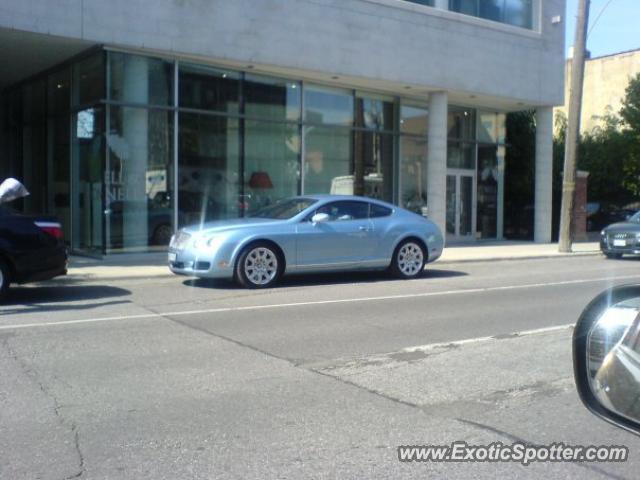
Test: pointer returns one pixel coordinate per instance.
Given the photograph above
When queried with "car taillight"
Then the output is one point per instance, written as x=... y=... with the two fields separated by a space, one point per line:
x=52 y=228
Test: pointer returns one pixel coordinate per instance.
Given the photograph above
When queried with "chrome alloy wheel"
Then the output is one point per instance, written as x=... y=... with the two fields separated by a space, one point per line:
x=261 y=266
x=410 y=259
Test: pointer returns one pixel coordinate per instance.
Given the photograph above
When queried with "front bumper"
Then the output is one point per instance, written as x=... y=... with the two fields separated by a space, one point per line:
x=194 y=263
x=632 y=246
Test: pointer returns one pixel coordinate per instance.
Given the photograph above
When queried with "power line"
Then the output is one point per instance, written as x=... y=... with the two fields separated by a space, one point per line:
x=598 y=17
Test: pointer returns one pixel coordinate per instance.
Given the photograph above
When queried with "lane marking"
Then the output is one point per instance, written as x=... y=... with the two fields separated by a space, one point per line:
x=508 y=336
x=311 y=303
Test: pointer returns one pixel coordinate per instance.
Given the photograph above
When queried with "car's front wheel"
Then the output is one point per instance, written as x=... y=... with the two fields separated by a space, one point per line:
x=408 y=260
x=5 y=279
x=259 y=266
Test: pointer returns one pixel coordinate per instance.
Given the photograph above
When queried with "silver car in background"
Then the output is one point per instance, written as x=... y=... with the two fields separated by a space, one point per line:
x=307 y=234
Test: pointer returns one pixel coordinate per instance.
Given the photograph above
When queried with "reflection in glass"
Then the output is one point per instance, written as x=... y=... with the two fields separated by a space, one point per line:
x=461 y=155
x=327 y=160
x=87 y=180
x=88 y=80
x=376 y=113
x=452 y=206
x=139 y=192
x=414 y=120
x=466 y=205
x=372 y=166
x=488 y=178
x=328 y=106
x=272 y=163
x=461 y=123
x=413 y=174
x=208 y=88
x=271 y=98
x=33 y=147
x=138 y=79
x=209 y=169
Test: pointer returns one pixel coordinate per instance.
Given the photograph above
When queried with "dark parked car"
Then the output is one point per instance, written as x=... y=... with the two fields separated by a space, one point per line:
x=600 y=215
x=31 y=246
x=621 y=238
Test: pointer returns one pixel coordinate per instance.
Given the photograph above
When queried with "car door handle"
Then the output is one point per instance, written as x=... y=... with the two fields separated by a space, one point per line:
x=363 y=228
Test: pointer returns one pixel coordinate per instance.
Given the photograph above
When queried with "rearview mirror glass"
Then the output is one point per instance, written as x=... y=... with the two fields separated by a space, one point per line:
x=607 y=356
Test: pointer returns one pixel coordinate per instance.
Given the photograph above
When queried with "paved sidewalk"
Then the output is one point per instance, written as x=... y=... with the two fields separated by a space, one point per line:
x=120 y=266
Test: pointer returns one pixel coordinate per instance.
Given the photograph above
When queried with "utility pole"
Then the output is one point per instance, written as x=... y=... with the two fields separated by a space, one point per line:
x=573 y=127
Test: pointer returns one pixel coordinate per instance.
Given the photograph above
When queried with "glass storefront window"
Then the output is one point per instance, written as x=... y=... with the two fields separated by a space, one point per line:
x=487 y=185
x=89 y=80
x=327 y=160
x=376 y=113
x=468 y=7
x=414 y=120
x=59 y=91
x=87 y=180
x=518 y=13
x=461 y=123
x=373 y=165
x=328 y=106
x=422 y=2
x=271 y=98
x=272 y=163
x=413 y=173
x=139 y=172
x=208 y=169
x=461 y=155
x=207 y=88
x=138 y=79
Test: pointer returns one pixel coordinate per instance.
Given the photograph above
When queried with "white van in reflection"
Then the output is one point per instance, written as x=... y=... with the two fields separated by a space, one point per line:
x=344 y=185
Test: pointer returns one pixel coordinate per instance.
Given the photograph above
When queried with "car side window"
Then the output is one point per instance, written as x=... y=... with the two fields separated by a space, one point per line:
x=345 y=210
x=378 y=211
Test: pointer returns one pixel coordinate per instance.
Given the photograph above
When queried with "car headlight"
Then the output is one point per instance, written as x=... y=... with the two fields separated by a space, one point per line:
x=603 y=233
x=207 y=243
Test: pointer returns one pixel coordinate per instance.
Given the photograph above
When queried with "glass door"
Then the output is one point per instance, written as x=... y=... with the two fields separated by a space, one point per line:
x=460 y=205
x=86 y=181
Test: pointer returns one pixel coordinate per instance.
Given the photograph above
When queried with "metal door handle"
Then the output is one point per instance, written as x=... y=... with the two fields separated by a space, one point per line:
x=362 y=228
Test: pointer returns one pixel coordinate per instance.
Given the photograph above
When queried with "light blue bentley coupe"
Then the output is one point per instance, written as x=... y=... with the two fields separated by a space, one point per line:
x=312 y=233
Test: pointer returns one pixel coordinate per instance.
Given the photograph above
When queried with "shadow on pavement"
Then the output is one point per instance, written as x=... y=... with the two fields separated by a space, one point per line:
x=324 y=279
x=39 y=298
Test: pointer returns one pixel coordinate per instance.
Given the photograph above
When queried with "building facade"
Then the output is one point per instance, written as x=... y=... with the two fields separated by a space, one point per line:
x=606 y=80
x=129 y=119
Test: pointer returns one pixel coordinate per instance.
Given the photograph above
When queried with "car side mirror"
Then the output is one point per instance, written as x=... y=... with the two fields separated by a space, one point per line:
x=320 y=218
x=606 y=356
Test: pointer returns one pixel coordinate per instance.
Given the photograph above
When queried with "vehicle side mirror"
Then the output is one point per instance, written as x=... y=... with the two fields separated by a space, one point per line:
x=320 y=218
x=606 y=356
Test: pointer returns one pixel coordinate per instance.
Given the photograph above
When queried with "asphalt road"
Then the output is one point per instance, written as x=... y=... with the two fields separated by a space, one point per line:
x=322 y=377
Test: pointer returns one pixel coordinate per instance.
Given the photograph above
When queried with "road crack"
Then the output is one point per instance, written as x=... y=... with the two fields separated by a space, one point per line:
x=31 y=373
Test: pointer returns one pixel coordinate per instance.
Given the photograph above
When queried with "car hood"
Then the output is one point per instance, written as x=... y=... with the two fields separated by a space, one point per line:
x=234 y=224
x=623 y=227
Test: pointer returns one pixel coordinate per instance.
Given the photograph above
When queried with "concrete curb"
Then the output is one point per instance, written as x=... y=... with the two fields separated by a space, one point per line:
x=120 y=273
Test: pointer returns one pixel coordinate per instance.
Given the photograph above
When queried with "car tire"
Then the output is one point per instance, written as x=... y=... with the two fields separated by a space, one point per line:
x=5 y=279
x=259 y=266
x=613 y=256
x=409 y=259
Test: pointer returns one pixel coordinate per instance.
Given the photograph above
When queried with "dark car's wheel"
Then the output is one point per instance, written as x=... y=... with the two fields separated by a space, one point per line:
x=613 y=256
x=408 y=259
x=5 y=279
x=259 y=266
x=162 y=235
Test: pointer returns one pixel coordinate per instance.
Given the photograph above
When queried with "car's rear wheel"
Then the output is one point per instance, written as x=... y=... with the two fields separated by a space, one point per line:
x=5 y=279
x=408 y=260
x=259 y=266
x=613 y=256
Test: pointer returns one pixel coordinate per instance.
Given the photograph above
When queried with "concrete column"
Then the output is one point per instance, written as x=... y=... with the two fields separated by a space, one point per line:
x=437 y=160
x=544 y=175
x=442 y=4
x=135 y=126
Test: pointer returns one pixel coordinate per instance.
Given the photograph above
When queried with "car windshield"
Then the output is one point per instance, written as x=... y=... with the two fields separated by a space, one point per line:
x=284 y=209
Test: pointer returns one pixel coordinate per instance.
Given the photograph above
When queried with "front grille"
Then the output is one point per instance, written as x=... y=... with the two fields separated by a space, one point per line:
x=629 y=239
x=203 y=265
x=180 y=240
